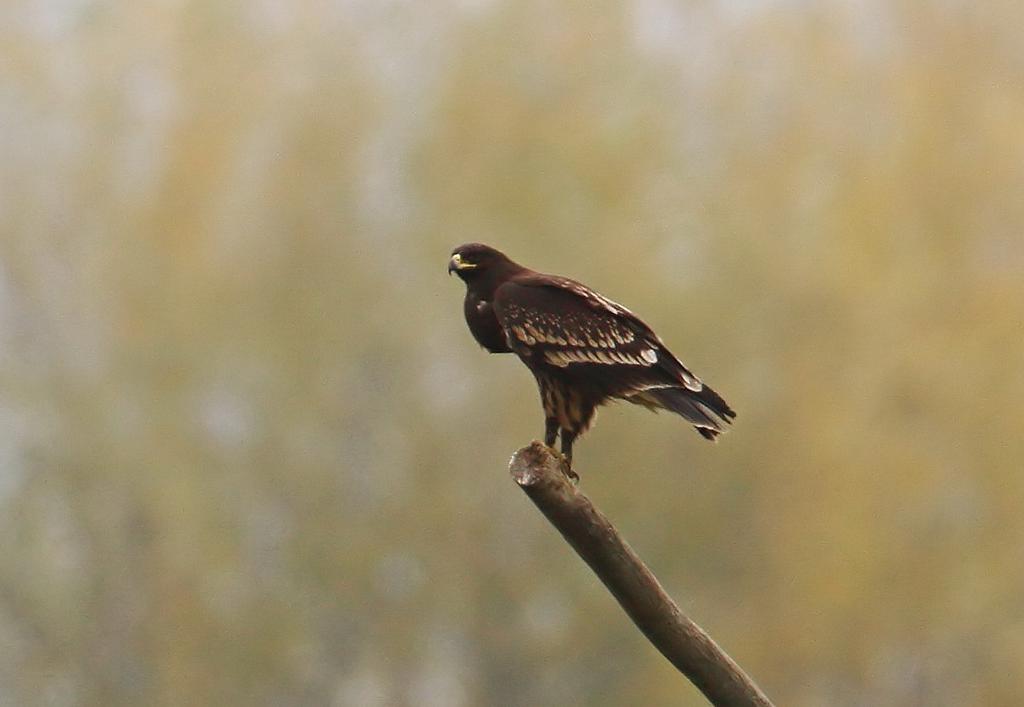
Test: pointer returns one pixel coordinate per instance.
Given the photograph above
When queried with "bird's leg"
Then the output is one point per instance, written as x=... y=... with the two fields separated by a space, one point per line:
x=567 y=439
x=550 y=431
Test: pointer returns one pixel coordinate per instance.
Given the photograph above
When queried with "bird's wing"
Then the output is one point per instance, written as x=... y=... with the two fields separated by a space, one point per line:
x=564 y=323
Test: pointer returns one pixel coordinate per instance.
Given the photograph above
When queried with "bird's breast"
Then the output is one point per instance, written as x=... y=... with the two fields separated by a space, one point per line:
x=484 y=326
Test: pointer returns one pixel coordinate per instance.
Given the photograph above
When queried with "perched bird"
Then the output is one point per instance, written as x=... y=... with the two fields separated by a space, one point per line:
x=583 y=349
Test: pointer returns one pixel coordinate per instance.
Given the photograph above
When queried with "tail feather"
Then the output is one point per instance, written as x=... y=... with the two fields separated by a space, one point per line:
x=704 y=409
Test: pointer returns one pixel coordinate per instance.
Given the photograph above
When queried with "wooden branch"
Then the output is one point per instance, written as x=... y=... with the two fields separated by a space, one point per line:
x=539 y=472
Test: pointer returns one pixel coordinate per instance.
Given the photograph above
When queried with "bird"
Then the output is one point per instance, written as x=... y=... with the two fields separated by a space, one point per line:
x=584 y=349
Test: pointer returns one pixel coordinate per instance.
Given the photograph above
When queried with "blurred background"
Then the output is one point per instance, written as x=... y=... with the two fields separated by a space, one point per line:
x=250 y=454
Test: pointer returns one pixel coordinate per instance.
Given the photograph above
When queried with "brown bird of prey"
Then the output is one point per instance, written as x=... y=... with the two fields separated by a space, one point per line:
x=583 y=348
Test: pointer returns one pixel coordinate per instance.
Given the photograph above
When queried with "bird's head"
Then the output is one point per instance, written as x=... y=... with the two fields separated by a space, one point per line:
x=473 y=261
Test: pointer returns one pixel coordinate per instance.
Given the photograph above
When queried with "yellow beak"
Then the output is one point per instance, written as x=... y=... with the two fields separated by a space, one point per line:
x=456 y=263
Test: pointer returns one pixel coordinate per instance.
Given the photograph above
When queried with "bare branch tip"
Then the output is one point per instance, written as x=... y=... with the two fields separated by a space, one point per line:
x=532 y=463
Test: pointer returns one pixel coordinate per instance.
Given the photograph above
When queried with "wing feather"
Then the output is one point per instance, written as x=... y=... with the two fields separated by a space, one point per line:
x=565 y=324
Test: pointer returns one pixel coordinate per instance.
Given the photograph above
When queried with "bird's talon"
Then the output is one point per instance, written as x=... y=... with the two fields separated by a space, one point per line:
x=567 y=469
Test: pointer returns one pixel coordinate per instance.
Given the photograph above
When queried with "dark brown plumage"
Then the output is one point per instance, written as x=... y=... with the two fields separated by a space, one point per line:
x=583 y=349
